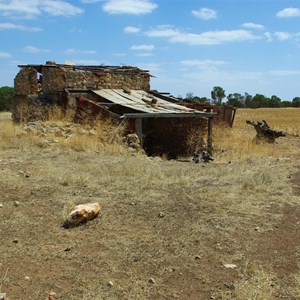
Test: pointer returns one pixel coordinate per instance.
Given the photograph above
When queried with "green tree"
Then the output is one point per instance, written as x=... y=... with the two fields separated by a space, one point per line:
x=247 y=100
x=6 y=94
x=296 y=102
x=235 y=99
x=259 y=101
x=274 y=101
x=285 y=103
x=217 y=94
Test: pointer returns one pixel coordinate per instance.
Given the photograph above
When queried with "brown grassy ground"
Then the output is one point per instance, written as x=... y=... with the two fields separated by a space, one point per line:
x=174 y=222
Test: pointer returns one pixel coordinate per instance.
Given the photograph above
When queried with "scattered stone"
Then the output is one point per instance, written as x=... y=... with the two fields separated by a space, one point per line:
x=257 y=228
x=161 y=215
x=2 y=296
x=230 y=266
x=52 y=296
x=152 y=280
x=110 y=284
x=82 y=214
x=67 y=249
x=15 y=241
x=1 y=205
x=16 y=203
x=27 y=278
x=197 y=257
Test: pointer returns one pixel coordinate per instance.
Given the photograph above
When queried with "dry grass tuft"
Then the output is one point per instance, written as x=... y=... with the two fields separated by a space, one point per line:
x=256 y=284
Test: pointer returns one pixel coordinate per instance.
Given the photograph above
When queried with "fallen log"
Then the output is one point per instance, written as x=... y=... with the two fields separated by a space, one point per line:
x=264 y=132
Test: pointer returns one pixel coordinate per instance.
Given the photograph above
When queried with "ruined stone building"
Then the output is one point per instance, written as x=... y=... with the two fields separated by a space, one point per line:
x=119 y=92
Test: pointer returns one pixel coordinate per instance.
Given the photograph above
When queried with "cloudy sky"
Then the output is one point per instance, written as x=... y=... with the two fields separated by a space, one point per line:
x=243 y=46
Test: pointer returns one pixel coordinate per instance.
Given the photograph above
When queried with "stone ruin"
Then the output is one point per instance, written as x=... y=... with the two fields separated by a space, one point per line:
x=39 y=86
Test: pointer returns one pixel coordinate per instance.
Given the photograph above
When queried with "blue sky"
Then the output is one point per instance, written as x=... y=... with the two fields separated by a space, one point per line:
x=188 y=45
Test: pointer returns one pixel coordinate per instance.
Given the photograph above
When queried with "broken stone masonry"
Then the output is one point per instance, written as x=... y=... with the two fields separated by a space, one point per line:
x=39 y=86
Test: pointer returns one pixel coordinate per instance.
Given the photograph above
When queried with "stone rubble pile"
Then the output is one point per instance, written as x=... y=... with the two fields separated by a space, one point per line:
x=65 y=130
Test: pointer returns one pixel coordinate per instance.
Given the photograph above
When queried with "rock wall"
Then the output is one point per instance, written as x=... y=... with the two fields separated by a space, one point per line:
x=26 y=82
x=59 y=78
x=37 y=87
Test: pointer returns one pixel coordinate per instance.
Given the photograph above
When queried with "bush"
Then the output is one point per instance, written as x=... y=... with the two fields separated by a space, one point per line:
x=6 y=94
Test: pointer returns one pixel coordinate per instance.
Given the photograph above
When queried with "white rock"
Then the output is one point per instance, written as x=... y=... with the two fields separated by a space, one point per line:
x=82 y=213
x=152 y=280
x=230 y=266
x=110 y=283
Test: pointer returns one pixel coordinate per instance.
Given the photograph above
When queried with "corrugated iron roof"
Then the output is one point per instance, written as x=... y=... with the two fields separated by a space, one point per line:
x=143 y=102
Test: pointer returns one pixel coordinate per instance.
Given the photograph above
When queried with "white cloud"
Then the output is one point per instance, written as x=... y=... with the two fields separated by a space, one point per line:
x=31 y=49
x=144 y=54
x=142 y=47
x=206 y=64
x=134 y=7
x=283 y=36
x=60 y=8
x=269 y=36
x=163 y=31
x=205 y=38
x=285 y=73
x=289 y=13
x=11 y=26
x=131 y=29
x=76 y=51
x=205 y=13
x=5 y=55
x=91 y=1
x=253 y=26
x=33 y=8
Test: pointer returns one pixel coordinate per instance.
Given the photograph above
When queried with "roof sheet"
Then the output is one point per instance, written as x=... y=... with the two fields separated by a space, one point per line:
x=143 y=102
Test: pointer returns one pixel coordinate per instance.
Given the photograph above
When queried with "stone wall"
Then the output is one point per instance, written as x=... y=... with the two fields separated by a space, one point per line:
x=26 y=82
x=38 y=86
x=59 y=78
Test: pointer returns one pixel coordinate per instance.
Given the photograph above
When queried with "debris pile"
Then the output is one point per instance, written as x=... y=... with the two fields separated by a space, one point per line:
x=264 y=132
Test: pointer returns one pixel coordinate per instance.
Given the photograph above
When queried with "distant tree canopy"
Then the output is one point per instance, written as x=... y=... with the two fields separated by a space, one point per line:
x=217 y=94
x=6 y=94
x=190 y=96
x=246 y=100
x=296 y=102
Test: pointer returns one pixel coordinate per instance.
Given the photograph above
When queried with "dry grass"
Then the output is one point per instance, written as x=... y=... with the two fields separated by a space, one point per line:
x=239 y=144
x=176 y=222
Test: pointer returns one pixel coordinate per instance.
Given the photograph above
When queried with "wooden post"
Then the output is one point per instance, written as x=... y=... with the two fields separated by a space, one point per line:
x=139 y=130
x=234 y=111
x=209 y=135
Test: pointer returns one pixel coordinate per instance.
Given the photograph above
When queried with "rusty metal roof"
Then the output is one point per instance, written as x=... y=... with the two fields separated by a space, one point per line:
x=145 y=102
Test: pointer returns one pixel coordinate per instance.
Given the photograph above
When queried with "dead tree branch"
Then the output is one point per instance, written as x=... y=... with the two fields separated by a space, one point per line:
x=264 y=132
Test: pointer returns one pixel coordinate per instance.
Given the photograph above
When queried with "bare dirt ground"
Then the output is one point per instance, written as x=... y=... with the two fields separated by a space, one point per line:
x=167 y=229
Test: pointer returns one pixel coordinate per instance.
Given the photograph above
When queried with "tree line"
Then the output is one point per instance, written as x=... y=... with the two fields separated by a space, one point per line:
x=219 y=97
x=6 y=94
